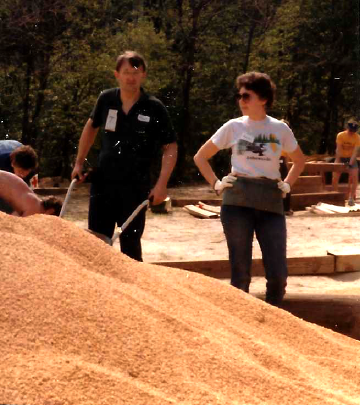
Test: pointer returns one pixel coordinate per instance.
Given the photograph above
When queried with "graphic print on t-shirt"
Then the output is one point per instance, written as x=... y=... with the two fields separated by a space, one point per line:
x=262 y=146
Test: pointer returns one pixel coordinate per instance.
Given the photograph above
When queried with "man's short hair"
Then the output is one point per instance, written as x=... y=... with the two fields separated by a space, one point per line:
x=259 y=83
x=25 y=157
x=52 y=202
x=134 y=58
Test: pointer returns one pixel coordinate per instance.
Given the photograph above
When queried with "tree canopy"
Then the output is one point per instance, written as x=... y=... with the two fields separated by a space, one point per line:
x=57 y=56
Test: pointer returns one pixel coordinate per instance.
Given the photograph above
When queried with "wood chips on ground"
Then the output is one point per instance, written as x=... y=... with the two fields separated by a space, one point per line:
x=83 y=324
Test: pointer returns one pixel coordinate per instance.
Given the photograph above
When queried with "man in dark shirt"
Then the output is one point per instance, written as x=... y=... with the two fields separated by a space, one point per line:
x=17 y=158
x=136 y=125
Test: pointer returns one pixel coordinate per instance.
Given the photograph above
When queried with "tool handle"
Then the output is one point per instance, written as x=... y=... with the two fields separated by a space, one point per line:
x=127 y=222
x=67 y=197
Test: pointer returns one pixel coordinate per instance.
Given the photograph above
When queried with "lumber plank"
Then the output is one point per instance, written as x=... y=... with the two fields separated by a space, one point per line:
x=346 y=260
x=341 y=210
x=317 y=212
x=308 y=184
x=322 y=167
x=208 y=207
x=182 y=202
x=200 y=213
x=301 y=201
x=221 y=268
x=333 y=208
x=51 y=191
x=318 y=209
x=340 y=313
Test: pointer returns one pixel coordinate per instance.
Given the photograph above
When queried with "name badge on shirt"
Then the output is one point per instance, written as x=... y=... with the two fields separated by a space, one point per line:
x=111 y=120
x=247 y=137
x=143 y=118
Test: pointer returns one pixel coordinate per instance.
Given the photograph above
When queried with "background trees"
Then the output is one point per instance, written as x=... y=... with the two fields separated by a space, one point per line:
x=57 y=56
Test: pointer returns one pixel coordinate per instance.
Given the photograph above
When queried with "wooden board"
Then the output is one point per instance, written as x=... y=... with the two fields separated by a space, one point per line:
x=346 y=260
x=208 y=207
x=341 y=313
x=51 y=191
x=221 y=268
x=182 y=202
x=308 y=184
x=318 y=209
x=301 y=201
x=322 y=167
x=200 y=213
x=334 y=210
x=341 y=210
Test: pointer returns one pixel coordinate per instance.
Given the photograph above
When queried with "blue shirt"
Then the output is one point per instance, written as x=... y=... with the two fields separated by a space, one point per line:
x=6 y=148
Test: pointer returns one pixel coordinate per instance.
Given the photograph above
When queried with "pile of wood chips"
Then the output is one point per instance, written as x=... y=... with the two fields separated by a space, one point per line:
x=83 y=324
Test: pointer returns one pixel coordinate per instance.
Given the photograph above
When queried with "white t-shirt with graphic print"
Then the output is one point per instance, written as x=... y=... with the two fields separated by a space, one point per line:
x=256 y=145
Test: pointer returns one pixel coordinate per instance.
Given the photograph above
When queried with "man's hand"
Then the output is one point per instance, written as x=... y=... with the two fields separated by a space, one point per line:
x=284 y=187
x=226 y=181
x=158 y=194
x=77 y=173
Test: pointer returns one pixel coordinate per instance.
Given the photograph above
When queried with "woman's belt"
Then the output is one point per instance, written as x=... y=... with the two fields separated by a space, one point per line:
x=259 y=193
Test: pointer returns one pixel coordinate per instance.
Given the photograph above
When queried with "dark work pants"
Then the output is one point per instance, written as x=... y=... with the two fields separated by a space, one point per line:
x=112 y=204
x=240 y=224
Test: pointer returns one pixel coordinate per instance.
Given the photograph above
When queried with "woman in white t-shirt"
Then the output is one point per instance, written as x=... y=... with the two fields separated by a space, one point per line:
x=253 y=191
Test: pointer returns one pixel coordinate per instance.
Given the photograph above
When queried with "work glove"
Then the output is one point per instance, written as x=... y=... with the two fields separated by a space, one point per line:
x=224 y=183
x=284 y=187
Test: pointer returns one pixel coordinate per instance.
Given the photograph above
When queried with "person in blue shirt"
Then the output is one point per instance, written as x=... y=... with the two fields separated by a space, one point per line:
x=19 y=159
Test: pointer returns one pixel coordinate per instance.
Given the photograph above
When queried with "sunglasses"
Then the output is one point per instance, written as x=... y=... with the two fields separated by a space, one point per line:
x=244 y=96
x=353 y=127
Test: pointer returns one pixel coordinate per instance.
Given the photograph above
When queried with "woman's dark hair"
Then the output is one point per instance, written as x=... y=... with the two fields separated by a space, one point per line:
x=259 y=83
x=52 y=202
x=134 y=58
x=25 y=157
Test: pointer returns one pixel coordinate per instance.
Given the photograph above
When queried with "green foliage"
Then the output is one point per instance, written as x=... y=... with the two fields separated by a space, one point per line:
x=310 y=53
x=58 y=56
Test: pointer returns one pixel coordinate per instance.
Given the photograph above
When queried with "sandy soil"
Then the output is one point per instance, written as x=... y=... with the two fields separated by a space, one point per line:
x=83 y=324
x=180 y=236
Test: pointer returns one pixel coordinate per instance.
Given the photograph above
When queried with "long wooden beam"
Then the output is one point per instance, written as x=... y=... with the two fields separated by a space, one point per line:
x=341 y=313
x=322 y=167
x=301 y=201
x=221 y=268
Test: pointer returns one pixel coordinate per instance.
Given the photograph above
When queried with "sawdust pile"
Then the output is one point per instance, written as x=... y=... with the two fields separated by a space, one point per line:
x=83 y=324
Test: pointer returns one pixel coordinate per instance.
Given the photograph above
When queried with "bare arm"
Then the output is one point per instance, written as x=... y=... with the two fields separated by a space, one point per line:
x=354 y=155
x=169 y=157
x=19 y=195
x=338 y=153
x=30 y=205
x=86 y=141
x=298 y=159
x=202 y=157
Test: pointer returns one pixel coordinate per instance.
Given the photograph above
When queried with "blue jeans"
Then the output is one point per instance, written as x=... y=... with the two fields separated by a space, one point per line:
x=240 y=224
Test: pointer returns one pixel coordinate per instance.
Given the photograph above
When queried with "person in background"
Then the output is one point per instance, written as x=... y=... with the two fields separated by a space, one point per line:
x=17 y=198
x=18 y=158
x=253 y=192
x=135 y=127
x=347 y=144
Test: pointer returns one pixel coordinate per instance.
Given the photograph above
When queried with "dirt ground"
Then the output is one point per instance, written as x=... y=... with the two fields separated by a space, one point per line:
x=180 y=236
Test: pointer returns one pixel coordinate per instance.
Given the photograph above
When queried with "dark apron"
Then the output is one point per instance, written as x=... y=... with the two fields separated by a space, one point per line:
x=262 y=194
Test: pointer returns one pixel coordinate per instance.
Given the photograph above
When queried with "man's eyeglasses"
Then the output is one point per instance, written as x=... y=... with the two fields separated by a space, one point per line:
x=243 y=96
